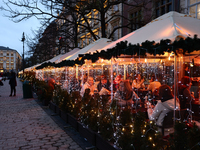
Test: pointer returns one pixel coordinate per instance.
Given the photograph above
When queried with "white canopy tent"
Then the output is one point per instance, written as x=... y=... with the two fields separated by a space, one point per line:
x=67 y=55
x=54 y=59
x=169 y=26
x=98 y=44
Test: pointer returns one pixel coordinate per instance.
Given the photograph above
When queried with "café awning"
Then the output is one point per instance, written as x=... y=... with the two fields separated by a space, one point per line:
x=98 y=44
x=172 y=25
x=67 y=55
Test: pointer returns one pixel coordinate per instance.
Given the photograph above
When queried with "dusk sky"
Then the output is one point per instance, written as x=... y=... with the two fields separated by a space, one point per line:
x=11 y=33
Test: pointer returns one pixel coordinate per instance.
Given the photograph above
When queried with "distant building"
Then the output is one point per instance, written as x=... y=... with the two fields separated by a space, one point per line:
x=10 y=59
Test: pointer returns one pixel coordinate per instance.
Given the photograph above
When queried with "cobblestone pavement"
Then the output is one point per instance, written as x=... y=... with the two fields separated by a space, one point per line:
x=26 y=125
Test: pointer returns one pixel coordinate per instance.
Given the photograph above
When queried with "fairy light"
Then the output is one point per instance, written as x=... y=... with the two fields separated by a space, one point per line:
x=144 y=131
x=132 y=131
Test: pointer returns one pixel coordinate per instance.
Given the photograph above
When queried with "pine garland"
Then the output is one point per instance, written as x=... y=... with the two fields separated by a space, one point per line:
x=187 y=45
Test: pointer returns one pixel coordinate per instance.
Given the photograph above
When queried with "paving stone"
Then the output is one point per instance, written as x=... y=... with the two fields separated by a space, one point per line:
x=52 y=148
x=26 y=125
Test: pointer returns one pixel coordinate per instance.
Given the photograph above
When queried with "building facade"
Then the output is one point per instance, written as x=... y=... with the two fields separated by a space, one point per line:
x=10 y=59
x=191 y=7
x=124 y=18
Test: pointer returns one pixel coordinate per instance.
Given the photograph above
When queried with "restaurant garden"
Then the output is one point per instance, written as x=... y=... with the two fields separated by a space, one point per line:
x=99 y=117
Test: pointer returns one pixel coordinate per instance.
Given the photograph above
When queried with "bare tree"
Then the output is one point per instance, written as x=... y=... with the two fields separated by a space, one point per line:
x=48 y=10
x=71 y=17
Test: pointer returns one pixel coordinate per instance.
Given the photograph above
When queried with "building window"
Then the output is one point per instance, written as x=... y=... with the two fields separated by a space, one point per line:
x=96 y=16
x=162 y=7
x=7 y=65
x=115 y=8
x=11 y=54
x=115 y=35
x=1 y=65
x=7 y=54
x=136 y=19
x=194 y=8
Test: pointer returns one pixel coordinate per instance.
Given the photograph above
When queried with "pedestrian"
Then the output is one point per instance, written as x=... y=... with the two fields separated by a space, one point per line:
x=13 y=83
x=1 y=83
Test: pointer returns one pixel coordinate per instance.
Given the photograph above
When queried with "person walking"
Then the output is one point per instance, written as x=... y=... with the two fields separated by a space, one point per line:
x=13 y=83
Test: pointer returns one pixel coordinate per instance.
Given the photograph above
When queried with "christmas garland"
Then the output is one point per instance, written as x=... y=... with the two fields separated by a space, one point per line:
x=187 y=45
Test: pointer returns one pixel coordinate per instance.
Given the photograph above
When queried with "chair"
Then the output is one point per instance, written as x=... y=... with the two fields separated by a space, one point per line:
x=168 y=121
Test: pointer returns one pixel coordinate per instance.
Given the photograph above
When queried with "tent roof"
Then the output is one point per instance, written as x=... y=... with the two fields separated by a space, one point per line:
x=50 y=60
x=54 y=58
x=67 y=55
x=98 y=44
x=168 y=26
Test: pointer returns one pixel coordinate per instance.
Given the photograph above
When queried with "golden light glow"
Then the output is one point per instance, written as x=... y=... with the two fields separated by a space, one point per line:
x=132 y=131
x=67 y=57
x=150 y=138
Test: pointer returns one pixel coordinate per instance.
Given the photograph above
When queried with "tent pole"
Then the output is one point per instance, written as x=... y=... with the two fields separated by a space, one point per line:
x=76 y=71
x=111 y=79
x=175 y=70
x=124 y=71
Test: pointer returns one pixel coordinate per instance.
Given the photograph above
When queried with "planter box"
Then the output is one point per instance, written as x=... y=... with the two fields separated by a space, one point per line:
x=87 y=133
x=52 y=106
x=72 y=121
x=102 y=144
x=45 y=102
x=63 y=115
x=57 y=110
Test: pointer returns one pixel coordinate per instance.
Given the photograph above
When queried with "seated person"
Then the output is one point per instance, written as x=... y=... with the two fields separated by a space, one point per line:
x=195 y=87
x=130 y=79
x=51 y=82
x=184 y=93
x=103 y=86
x=124 y=95
x=88 y=85
x=154 y=84
x=164 y=105
x=138 y=82
x=83 y=80
x=116 y=82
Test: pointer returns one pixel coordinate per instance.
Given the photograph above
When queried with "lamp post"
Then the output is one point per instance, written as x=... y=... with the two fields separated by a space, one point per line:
x=23 y=39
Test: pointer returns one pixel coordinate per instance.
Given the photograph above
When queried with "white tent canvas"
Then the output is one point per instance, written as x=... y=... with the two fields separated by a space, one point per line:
x=54 y=59
x=98 y=44
x=67 y=55
x=169 y=26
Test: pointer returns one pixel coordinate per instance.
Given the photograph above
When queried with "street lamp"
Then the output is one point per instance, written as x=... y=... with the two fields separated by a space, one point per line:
x=23 y=39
